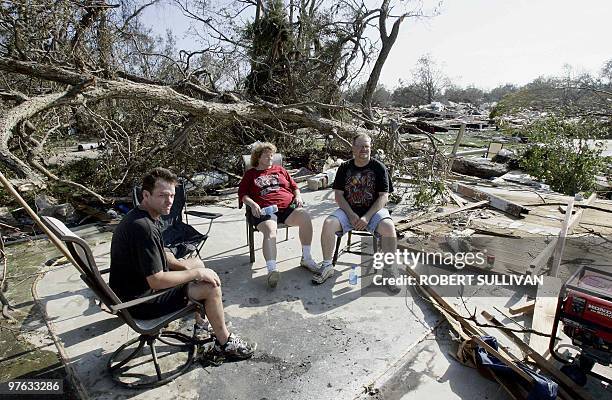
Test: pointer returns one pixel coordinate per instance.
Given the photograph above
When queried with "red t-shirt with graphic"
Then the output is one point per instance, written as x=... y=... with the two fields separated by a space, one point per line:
x=267 y=187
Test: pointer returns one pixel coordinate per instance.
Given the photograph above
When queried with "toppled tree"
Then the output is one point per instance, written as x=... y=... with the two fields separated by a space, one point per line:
x=92 y=71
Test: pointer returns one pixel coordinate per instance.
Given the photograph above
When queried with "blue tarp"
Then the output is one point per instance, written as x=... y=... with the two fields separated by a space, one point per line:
x=543 y=389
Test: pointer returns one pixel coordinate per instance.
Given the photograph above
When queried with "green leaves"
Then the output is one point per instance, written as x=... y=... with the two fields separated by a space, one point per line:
x=565 y=153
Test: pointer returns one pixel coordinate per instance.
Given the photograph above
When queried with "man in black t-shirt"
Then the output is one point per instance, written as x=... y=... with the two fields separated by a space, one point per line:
x=141 y=266
x=361 y=187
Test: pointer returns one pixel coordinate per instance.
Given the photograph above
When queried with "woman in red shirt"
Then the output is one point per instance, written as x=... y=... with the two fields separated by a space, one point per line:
x=265 y=185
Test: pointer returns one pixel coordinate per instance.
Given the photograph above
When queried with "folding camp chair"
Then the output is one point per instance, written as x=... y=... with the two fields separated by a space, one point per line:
x=250 y=228
x=179 y=237
x=126 y=369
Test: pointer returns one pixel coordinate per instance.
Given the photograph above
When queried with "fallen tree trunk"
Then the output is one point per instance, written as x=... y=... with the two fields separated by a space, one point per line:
x=87 y=88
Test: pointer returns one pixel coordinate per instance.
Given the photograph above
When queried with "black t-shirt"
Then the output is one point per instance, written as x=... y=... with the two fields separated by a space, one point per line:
x=361 y=185
x=137 y=251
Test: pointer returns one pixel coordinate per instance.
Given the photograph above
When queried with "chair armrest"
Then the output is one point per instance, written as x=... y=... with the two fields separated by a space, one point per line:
x=118 y=307
x=204 y=214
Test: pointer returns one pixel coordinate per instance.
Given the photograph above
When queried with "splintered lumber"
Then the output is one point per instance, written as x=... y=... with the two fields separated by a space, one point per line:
x=458 y=140
x=524 y=308
x=566 y=384
x=400 y=227
x=458 y=200
x=541 y=259
x=467 y=331
x=558 y=253
x=456 y=146
x=497 y=202
x=544 y=314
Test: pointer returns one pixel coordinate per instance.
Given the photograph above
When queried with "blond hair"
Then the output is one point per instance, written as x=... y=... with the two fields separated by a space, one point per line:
x=258 y=150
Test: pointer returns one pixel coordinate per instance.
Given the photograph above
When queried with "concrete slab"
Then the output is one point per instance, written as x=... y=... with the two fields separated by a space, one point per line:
x=323 y=342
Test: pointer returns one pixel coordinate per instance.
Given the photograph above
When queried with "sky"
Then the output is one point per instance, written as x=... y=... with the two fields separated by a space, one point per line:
x=484 y=43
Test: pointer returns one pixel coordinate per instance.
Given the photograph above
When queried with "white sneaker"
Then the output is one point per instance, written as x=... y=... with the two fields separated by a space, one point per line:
x=325 y=271
x=310 y=264
x=236 y=348
x=273 y=278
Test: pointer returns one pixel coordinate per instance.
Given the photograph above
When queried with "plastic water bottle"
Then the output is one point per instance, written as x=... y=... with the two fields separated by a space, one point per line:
x=269 y=210
x=353 y=275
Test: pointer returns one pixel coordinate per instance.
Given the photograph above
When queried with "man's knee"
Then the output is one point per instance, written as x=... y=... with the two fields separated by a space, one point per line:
x=204 y=291
x=386 y=228
x=331 y=225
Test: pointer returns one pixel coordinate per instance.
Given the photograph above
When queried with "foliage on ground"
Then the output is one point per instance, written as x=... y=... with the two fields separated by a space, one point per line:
x=565 y=153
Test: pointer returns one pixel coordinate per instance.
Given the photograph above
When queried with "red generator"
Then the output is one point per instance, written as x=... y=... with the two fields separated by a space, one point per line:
x=585 y=309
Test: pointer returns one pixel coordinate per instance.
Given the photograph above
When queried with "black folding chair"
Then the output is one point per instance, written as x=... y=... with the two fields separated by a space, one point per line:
x=130 y=370
x=179 y=237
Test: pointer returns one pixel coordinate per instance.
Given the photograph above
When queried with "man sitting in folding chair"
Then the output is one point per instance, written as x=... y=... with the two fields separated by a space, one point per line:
x=140 y=266
x=361 y=187
x=270 y=185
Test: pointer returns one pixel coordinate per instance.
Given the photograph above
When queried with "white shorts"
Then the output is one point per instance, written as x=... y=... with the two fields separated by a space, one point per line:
x=381 y=214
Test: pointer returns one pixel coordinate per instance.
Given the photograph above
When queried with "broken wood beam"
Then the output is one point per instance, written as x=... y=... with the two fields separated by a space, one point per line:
x=544 y=312
x=458 y=200
x=496 y=202
x=541 y=259
x=558 y=253
x=400 y=227
x=525 y=308
x=456 y=146
x=466 y=329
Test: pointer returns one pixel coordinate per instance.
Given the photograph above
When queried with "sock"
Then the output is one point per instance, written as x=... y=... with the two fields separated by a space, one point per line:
x=325 y=262
x=306 y=252
x=271 y=265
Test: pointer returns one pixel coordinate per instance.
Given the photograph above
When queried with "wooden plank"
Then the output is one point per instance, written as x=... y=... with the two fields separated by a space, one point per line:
x=574 y=391
x=458 y=200
x=558 y=253
x=541 y=259
x=458 y=140
x=400 y=227
x=456 y=146
x=575 y=220
x=524 y=308
x=544 y=314
x=471 y=152
x=497 y=202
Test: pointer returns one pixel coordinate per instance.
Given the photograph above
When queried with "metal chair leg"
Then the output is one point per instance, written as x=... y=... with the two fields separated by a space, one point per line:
x=338 y=240
x=251 y=244
x=349 y=242
x=248 y=226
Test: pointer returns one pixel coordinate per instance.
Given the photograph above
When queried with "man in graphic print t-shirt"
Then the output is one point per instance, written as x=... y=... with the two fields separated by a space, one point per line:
x=361 y=190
